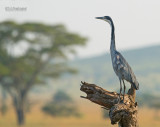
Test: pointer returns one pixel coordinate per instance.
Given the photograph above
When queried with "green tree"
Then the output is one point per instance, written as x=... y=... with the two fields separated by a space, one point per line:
x=3 y=107
x=61 y=105
x=105 y=113
x=156 y=106
x=31 y=53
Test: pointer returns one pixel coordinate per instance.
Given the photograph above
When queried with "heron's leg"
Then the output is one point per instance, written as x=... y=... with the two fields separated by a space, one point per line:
x=124 y=89
x=120 y=89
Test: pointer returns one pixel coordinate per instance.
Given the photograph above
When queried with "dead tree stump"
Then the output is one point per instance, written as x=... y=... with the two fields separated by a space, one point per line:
x=123 y=113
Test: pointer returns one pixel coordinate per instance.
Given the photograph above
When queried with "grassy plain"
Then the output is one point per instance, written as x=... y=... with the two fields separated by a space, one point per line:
x=91 y=118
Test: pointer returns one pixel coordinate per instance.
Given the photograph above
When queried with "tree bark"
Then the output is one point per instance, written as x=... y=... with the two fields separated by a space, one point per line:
x=20 y=117
x=124 y=113
x=19 y=105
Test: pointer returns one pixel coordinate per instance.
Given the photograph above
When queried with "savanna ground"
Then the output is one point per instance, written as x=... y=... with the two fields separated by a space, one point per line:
x=91 y=118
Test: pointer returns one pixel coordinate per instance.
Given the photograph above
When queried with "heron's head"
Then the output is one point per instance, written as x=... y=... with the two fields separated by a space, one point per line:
x=105 y=18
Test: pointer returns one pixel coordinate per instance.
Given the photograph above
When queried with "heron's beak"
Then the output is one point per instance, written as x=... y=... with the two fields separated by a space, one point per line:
x=99 y=17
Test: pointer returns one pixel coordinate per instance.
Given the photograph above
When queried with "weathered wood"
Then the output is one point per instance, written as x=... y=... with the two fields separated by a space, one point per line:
x=124 y=113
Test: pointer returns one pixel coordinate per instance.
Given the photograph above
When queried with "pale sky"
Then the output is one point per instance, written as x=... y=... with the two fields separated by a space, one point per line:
x=137 y=22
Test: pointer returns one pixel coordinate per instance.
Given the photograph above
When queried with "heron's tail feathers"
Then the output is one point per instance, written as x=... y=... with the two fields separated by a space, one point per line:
x=135 y=85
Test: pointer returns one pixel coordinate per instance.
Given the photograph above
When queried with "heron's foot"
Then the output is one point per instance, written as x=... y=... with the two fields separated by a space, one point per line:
x=122 y=101
x=119 y=99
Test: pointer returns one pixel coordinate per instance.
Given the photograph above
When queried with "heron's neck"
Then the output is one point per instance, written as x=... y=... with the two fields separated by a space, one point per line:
x=112 y=46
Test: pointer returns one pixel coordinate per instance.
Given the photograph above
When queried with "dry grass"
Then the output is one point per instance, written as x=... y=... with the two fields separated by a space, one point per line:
x=91 y=118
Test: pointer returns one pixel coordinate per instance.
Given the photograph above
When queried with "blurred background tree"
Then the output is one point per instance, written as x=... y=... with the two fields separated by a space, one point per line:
x=156 y=106
x=31 y=53
x=61 y=105
x=3 y=106
x=105 y=113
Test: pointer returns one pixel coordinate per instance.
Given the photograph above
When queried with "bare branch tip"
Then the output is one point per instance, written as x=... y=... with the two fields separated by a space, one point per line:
x=83 y=97
x=82 y=82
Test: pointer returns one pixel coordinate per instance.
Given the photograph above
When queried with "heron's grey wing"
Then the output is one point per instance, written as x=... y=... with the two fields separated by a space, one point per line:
x=124 y=71
x=123 y=67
